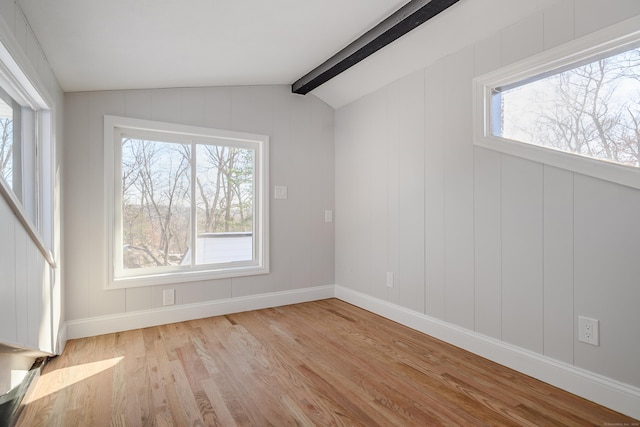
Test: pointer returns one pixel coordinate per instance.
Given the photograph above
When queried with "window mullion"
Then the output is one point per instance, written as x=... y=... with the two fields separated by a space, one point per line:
x=194 y=224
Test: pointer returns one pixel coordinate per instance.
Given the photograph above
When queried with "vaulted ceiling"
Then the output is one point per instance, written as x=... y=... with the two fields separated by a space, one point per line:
x=138 y=44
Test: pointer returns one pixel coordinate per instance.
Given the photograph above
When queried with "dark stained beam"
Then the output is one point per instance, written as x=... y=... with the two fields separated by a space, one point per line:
x=405 y=19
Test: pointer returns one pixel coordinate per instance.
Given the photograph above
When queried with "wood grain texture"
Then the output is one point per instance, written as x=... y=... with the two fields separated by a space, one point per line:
x=318 y=363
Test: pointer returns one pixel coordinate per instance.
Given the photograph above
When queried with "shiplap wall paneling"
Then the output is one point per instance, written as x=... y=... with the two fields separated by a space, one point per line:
x=373 y=202
x=558 y=264
x=8 y=262
x=20 y=274
x=34 y=286
x=394 y=101
x=488 y=242
x=347 y=193
x=217 y=107
x=434 y=152
x=458 y=189
x=252 y=110
x=523 y=39
x=77 y=246
x=607 y=285
x=137 y=104
x=20 y=29
x=522 y=268
x=322 y=192
x=100 y=302
x=291 y=166
x=410 y=137
x=487 y=54
x=558 y=24
x=166 y=105
x=193 y=106
x=8 y=12
x=42 y=318
x=590 y=16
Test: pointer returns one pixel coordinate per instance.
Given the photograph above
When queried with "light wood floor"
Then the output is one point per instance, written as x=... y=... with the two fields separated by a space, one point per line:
x=319 y=363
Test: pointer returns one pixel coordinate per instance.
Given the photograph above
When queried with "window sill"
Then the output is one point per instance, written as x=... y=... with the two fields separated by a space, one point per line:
x=185 y=276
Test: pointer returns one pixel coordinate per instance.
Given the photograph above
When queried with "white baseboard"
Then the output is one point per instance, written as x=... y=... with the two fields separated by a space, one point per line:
x=143 y=319
x=618 y=396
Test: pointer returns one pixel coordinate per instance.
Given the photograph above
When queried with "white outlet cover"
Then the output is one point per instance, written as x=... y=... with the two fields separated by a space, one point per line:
x=168 y=297
x=389 y=279
x=588 y=330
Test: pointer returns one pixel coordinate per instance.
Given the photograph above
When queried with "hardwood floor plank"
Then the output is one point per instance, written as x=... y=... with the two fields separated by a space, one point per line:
x=319 y=363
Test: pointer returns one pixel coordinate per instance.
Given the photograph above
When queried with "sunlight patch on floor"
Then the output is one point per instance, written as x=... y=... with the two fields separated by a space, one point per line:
x=65 y=377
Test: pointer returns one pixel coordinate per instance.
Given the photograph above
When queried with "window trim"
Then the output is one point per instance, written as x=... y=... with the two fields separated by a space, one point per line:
x=38 y=218
x=117 y=280
x=610 y=39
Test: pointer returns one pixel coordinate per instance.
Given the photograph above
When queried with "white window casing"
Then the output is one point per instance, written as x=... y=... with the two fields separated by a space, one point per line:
x=117 y=128
x=617 y=38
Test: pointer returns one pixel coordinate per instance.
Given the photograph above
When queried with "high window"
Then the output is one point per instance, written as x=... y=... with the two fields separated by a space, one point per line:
x=188 y=203
x=577 y=106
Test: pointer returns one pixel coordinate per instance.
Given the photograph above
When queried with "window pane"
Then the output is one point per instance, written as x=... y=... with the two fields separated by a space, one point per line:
x=156 y=202
x=592 y=110
x=8 y=156
x=224 y=194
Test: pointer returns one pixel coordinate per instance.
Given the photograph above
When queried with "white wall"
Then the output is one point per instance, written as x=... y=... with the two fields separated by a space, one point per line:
x=30 y=303
x=495 y=244
x=301 y=157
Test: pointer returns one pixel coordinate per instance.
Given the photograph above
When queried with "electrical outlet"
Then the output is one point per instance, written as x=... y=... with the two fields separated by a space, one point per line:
x=169 y=296
x=389 y=279
x=588 y=330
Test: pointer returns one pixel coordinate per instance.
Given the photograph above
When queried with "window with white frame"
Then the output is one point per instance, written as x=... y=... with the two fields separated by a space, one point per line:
x=26 y=153
x=186 y=203
x=576 y=106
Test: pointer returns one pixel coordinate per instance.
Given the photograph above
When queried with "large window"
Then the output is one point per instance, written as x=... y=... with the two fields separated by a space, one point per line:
x=188 y=203
x=577 y=106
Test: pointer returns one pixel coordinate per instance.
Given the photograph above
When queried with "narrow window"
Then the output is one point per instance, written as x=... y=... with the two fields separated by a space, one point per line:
x=591 y=110
x=575 y=106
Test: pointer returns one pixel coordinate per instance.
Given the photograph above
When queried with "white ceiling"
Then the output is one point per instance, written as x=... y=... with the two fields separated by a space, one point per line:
x=138 y=44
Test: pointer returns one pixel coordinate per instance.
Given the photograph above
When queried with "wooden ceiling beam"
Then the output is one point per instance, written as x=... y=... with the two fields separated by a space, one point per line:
x=405 y=19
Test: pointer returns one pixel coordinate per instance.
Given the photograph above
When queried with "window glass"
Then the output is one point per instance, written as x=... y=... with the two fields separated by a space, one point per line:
x=591 y=110
x=156 y=202
x=10 y=169
x=224 y=195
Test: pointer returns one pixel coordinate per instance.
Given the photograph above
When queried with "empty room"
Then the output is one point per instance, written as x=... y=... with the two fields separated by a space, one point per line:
x=286 y=212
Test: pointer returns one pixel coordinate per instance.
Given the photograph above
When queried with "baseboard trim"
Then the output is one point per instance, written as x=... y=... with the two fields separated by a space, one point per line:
x=618 y=396
x=93 y=326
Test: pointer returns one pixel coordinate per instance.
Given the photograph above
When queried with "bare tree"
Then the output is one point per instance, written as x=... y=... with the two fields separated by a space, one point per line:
x=156 y=189
x=592 y=110
x=6 y=148
x=225 y=188
x=155 y=179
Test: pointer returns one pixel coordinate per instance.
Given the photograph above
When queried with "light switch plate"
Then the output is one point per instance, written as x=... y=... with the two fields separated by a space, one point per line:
x=279 y=192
